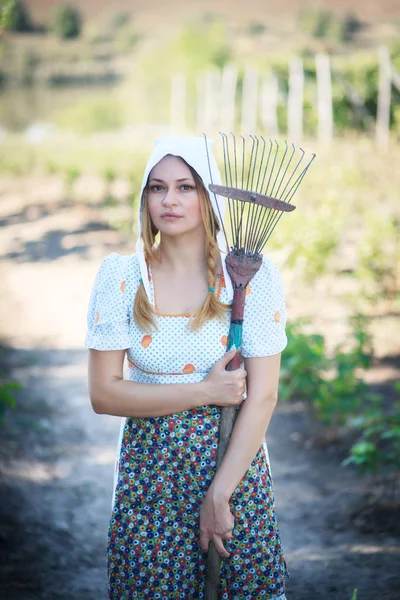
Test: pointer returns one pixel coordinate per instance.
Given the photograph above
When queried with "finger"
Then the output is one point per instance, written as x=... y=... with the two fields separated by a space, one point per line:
x=204 y=541
x=227 y=357
x=220 y=547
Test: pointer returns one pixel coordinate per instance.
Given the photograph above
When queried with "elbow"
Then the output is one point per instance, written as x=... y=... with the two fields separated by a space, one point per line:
x=271 y=399
x=97 y=399
x=97 y=404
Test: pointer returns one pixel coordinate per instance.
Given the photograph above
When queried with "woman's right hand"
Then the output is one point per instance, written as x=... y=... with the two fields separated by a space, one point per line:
x=222 y=387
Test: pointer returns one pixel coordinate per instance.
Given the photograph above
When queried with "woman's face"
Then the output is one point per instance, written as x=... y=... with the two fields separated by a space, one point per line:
x=173 y=201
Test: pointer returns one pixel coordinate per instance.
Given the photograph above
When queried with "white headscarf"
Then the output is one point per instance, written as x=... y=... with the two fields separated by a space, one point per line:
x=193 y=150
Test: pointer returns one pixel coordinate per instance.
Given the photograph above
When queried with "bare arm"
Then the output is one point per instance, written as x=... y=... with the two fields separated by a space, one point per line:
x=251 y=424
x=111 y=394
x=247 y=436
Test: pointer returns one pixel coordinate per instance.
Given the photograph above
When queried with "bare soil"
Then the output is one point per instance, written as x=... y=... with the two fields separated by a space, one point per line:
x=56 y=455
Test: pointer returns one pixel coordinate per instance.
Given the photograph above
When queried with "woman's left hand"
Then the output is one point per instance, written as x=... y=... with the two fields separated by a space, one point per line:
x=216 y=523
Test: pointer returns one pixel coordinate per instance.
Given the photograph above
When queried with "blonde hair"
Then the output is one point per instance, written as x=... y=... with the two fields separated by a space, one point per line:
x=212 y=307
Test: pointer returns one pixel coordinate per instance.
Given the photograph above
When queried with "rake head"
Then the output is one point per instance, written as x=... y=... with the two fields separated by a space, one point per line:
x=260 y=179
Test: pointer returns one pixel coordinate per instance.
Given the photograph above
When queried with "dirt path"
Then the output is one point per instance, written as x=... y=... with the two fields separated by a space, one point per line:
x=56 y=455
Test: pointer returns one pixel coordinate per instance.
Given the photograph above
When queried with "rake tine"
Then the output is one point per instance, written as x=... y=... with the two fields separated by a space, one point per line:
x=236 y=204
x=240 y=227
x=273 y=167
x=255 y=161
x=294 y=172
x=228 y=171
x=258 y=209
x=279 y=168
x=251 y=162
x=266 y=167
x=286 y=169
x=300 y=178
x=252 y=211
x=261 y=164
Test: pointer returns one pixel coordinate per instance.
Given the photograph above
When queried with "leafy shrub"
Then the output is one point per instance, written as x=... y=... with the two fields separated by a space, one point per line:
x=16 y=16
x=7 y=399
x=89 y=116
x=351 y=25
x=378 y=447
x=67 y=22
x=331 y=386
x=121 y=19
x=256 y=28
x=379 y=257
x=321 y=23
x=70 y=176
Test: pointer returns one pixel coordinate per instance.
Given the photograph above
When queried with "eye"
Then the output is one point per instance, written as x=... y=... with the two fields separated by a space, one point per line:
x=156 y=187
x=186 y=187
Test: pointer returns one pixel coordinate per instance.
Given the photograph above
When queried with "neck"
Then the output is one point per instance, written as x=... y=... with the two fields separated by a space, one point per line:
x=184 y=253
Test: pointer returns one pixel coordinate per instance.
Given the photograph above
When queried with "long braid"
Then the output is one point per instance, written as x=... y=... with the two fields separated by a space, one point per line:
x=143 y=312
x=212 y=306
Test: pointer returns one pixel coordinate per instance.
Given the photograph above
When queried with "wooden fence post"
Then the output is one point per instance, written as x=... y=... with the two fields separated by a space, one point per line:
x=324 y=98
x=249 y=102
x=208 y=100
x=178 y=103
x=228 y=98
x=295 y=100
x=269 y=105
x=383 y=112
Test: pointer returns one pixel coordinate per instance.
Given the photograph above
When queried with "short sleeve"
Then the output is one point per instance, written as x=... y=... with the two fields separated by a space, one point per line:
x=264 y=314
x=108 y=316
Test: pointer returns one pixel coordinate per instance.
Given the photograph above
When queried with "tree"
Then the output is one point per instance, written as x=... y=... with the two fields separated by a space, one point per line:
x=67 y=22
x=16 y=16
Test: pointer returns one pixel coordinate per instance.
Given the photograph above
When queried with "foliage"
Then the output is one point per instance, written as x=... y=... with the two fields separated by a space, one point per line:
x=67 y=22
x=71 y=174
x=378 y=447
x=7 y=399
x=378 y=265
x=321 y=23
x=332 y=386
x=339 y=397
x=314 y=237
x=91 y=115
x=121 y=19
x=189 y=50
x=16 y=16
x=6 y=8
x=256 y=28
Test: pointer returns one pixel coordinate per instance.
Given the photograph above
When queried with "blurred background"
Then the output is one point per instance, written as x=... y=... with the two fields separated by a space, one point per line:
x=85 y=89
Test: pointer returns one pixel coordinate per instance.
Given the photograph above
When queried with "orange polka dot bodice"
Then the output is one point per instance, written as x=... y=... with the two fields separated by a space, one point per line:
x=173 y=350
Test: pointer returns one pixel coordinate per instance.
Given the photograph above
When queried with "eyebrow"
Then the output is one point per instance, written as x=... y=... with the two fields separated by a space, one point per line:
x=178 y=180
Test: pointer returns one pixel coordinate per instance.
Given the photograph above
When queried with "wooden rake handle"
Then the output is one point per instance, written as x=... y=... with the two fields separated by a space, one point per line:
x=228 y=415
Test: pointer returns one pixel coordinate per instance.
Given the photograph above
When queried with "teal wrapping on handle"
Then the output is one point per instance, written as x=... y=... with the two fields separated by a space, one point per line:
x=235 y=339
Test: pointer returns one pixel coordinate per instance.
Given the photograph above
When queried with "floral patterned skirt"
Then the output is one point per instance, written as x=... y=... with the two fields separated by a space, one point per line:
x=166 y=466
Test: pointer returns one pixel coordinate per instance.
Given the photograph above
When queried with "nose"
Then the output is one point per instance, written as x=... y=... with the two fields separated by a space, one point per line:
x=170 y=198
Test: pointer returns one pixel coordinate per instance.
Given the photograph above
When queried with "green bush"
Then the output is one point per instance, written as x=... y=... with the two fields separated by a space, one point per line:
x=16 y=16
x=331 y=386
x=378 y=265
x=321 y=23
x=121 y=19
x=89 y=116
x=67 y=22
x=256 y=28
x=7 y=399
x=377 y=450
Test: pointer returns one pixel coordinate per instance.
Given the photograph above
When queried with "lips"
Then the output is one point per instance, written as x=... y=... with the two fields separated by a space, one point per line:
x=170 y=216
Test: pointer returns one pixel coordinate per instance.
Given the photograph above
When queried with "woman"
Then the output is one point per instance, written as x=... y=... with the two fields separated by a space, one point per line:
x=167 y=309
